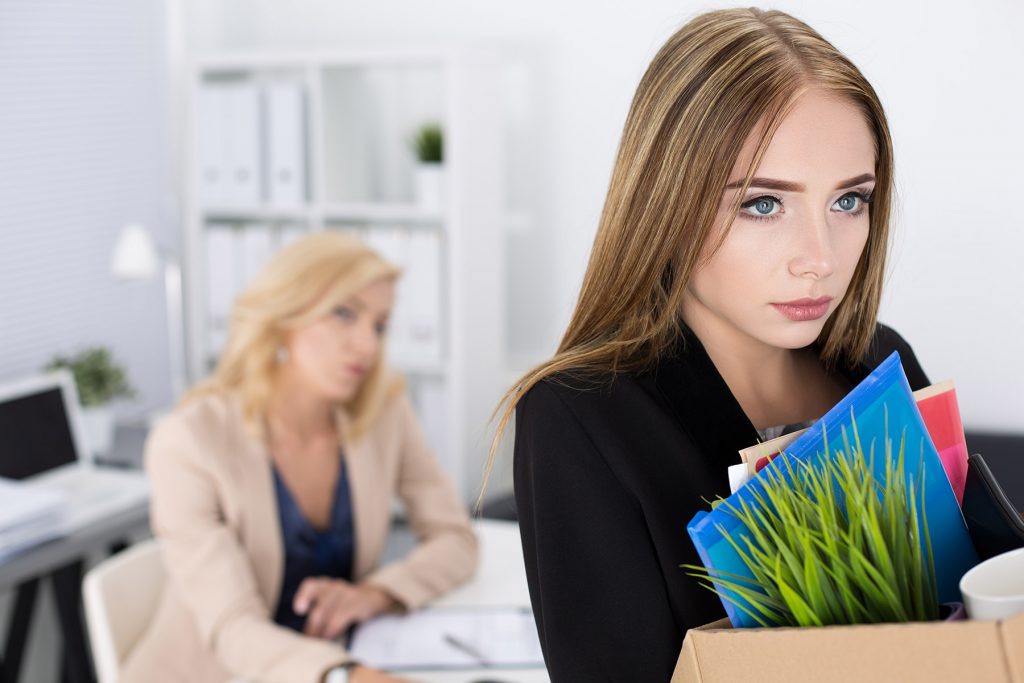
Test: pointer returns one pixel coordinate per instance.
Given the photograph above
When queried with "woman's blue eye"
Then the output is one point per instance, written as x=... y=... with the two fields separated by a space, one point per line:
x=764 y=207
x=852 y=202
x=848 y=203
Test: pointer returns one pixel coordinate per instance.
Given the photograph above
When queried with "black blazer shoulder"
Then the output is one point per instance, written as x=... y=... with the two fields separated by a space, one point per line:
x=607 y=475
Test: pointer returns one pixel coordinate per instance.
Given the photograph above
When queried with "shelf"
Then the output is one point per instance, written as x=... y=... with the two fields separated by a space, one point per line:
x=412 y=366
x=361 y=212
x=359 y=57
x=367 y=212
x=257 y=214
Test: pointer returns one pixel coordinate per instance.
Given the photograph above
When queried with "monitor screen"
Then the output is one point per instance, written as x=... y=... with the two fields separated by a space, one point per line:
x=34 y=434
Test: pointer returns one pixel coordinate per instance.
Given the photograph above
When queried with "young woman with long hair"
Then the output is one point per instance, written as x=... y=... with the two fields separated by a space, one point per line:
x=731 y=295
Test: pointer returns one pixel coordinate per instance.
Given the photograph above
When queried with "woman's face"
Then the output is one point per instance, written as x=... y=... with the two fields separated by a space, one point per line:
x=331 y=356
x=798 y=236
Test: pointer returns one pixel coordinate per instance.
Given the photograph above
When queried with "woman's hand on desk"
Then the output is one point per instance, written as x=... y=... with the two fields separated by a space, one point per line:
x=332 y=605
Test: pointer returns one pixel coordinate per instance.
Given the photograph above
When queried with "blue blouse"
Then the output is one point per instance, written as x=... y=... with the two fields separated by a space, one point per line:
x=309 y=552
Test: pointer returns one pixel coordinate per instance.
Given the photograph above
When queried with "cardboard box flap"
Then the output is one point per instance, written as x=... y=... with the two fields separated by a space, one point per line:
x=910 y=653
x=1013 y=644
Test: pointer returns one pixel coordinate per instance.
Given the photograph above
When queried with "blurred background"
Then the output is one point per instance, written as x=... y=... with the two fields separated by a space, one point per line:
x=156 y=153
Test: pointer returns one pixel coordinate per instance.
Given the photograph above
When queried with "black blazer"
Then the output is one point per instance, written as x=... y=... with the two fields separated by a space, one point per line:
x=606 y=480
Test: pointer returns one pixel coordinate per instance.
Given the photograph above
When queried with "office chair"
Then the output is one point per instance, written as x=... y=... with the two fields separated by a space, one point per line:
x=121 y=595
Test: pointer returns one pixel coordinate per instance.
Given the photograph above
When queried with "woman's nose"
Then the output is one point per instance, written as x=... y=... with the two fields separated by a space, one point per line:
x=813 y=256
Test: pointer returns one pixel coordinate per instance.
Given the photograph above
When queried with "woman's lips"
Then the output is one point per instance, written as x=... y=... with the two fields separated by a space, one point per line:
x=804 y=309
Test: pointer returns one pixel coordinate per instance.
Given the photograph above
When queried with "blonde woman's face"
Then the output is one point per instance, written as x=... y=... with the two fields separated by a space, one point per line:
x=332 y=356
x=798 y=236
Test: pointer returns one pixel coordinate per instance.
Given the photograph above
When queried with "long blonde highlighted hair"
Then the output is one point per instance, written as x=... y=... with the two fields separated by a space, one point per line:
x=723 y=76
x=302 y=283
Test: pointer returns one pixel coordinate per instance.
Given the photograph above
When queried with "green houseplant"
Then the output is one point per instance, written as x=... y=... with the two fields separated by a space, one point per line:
x=831 y=543
x=428 y=143
x=428 y=146
x=99 y=380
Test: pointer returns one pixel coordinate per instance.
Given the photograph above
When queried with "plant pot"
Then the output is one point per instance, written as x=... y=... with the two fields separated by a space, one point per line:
x=952 y=611
x=98 y=428
x=429 y=181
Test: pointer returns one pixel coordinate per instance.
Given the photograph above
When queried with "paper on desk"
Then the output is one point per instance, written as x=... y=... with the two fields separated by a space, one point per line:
x=503 y=636
x=28 y=516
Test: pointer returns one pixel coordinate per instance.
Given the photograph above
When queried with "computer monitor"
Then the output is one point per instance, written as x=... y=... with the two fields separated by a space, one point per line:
x=40 y=428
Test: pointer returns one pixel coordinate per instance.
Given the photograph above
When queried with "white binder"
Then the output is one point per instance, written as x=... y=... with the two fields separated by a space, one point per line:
x=391 y=242
x=222 y=280
x=212 y=117
x=257 y=248
x=288 y=233
x=431 y=398
x=415 y=329
x=422 y=295
x=243 y=128
x=285 y=144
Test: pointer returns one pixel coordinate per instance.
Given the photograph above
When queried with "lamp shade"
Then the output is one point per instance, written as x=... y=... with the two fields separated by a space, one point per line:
x=135 y=256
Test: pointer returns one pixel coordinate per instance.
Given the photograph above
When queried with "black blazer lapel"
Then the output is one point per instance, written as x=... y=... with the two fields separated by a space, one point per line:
x=701 y=401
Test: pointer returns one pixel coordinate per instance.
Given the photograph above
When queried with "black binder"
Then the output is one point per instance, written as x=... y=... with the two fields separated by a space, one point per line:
x=993 y=522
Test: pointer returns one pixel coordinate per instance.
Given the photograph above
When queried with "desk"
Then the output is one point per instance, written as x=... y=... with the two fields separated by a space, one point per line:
x=61 y=561
x=500 y=581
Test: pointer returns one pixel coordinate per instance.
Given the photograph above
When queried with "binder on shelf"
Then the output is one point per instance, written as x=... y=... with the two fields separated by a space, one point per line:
x=285 y=143
x=222 y=281
x=212 y=117
x=288 y=233
x=414 y=336
x=430 y=396
x=422 y=292
x=257 y=248
x=242 y=132
x=392 y=245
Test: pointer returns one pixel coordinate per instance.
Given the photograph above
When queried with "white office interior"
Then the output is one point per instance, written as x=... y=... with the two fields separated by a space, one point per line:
x=193 y=138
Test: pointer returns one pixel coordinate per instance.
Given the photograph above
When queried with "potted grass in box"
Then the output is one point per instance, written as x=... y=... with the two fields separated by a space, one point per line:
x=830 y=542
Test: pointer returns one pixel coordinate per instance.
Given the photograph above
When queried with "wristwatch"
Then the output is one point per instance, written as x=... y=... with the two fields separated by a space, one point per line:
x=340 y=673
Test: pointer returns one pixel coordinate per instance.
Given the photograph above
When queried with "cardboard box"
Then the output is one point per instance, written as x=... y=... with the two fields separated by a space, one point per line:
x=931 y=652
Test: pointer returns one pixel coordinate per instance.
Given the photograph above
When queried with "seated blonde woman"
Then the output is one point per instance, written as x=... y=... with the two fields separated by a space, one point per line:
x=273 y=482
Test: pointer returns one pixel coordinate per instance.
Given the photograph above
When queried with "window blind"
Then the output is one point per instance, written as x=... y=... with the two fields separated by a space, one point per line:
x=83 y=150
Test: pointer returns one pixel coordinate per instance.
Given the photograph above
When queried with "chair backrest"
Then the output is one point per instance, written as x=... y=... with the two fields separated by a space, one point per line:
x=121 y=595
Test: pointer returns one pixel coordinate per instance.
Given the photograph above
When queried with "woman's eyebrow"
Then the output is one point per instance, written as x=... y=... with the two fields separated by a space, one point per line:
x=354 y=302
x=787 y=186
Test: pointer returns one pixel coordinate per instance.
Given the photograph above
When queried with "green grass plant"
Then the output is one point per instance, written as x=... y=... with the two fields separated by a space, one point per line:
x=428 y=143
x=99 y=379
x=829 y=542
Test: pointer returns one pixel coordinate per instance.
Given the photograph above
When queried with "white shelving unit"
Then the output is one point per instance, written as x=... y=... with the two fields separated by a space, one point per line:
x=358 y=111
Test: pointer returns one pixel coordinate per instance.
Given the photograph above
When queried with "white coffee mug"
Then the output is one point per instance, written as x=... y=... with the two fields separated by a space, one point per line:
x=994 y=589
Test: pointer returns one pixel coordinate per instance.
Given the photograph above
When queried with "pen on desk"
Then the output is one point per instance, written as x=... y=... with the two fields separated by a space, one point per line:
x=466 y=648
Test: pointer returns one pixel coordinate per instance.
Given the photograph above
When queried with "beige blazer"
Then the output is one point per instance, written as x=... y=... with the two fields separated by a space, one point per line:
x=215 y=514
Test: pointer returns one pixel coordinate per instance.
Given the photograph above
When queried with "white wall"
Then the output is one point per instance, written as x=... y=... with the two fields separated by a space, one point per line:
x=948 y=76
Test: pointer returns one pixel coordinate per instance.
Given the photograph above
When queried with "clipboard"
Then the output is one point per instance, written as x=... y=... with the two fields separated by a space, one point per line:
x=449 y=638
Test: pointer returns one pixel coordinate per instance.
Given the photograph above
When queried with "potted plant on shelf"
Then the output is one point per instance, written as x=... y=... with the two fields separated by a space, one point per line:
x=99 y=380
x=829 y=542
x=428 y=145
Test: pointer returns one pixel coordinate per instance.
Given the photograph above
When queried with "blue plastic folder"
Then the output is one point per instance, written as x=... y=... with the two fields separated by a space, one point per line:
x=883 y=396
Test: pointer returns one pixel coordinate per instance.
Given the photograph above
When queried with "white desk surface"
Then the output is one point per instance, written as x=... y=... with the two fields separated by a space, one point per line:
x=500 y=581
x=85 y=533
